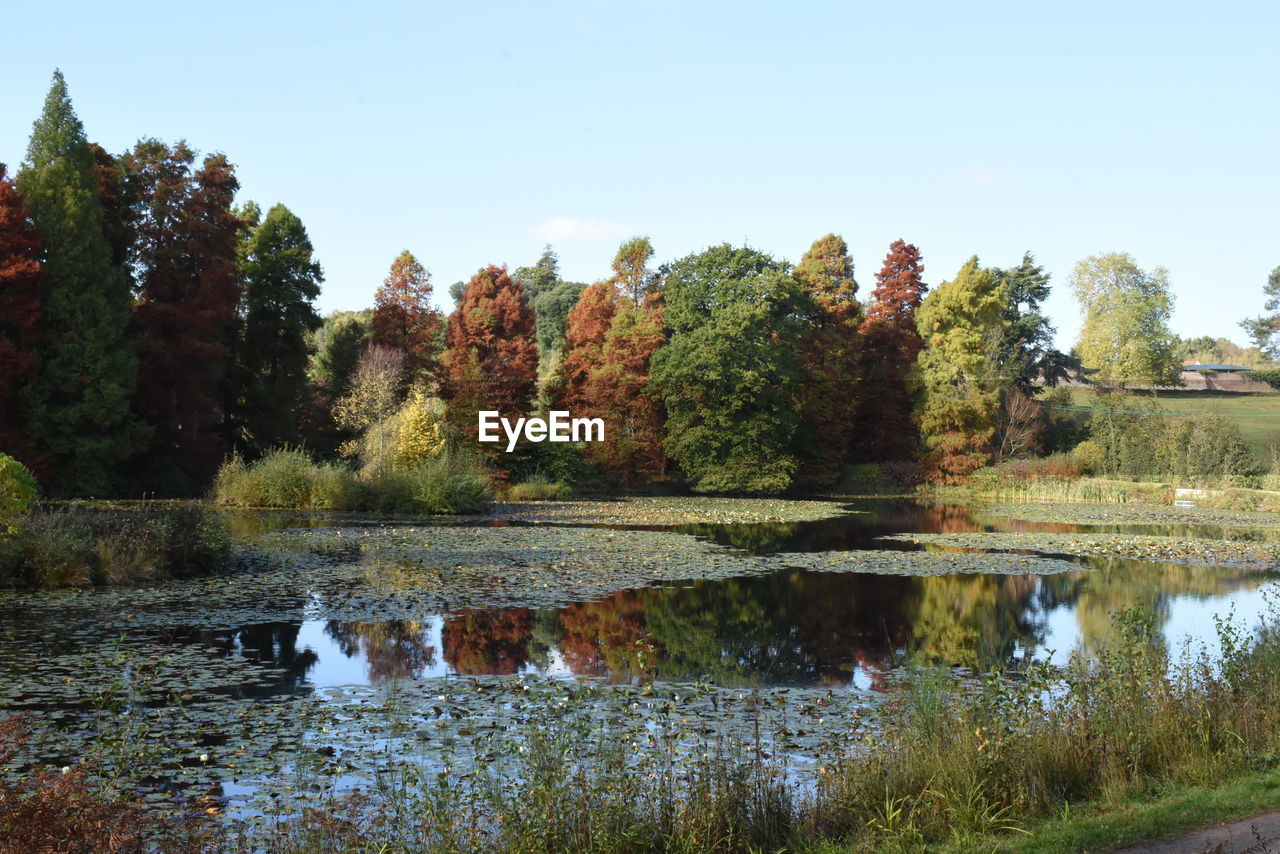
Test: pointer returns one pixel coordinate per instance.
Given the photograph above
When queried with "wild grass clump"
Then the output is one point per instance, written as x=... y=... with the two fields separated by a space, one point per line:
x=537 y=488
x=450 y=483
x=76 y=546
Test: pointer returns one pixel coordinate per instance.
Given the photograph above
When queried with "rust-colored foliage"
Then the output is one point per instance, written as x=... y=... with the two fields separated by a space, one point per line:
x=830 y=361
x=22 y=293
x=188 y=298
x=608 y=638
x=890 y=345
x=109 y=174
x=494 y=643
x=48 y=812
x=585 y=330
x=492 y=360
x=404 y=318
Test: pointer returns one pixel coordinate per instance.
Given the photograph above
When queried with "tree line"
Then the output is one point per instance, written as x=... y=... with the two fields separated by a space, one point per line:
x=149 y=327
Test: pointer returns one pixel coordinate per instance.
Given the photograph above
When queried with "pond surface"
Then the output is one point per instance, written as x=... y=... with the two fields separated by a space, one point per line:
x=329 y=610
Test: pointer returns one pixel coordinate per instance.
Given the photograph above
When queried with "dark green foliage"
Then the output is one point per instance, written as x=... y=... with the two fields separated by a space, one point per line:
x=1264 y=330
x=730 y=372
x=281 y=281
x=335 y=349
x=79 y=402
x=78 y=547
x=1026 y=347
x=549 y=296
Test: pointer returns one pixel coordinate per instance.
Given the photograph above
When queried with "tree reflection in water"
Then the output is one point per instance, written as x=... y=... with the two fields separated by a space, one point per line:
x=393 y=649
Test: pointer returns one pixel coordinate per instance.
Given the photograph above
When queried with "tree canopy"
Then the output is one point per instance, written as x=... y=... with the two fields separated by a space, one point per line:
x=1125 y=339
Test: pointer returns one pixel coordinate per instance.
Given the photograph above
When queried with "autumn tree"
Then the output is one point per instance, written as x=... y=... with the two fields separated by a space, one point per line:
x=830 y=361
x=730 y=372
x=631 y=273
x=79 y=401
x=185 y=241
x=404 y=318
x=1125 y=338
x=957 y=374
x=281 y=282
x=492 y=360
x=1264 y=330
x=890 y=344
x=22 y=296
x=586 y=328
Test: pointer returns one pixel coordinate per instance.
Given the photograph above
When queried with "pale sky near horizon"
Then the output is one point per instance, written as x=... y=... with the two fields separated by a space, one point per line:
x=473 y=134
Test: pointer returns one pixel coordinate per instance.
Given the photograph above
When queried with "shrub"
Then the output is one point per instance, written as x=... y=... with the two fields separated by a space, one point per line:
x=452 y=483
x=335 y=487
x=286 y=475
x=1089 y=456
x=537 y=488
x=78 y=547
x=1271 y=377
x=18 y=488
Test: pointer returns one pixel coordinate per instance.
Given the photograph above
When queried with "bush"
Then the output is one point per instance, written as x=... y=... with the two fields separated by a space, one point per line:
x=18 y=488
x=537 y=488
x=79 y=547
x=1271 y=377
x=335 y=487
x=1089 y=456
x=452 y=483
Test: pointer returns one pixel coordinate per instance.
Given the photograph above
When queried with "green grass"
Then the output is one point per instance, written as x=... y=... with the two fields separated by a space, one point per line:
x=1262 y=434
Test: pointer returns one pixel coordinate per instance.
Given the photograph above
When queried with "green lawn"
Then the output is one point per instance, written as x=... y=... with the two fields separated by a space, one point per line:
x=1245 y=409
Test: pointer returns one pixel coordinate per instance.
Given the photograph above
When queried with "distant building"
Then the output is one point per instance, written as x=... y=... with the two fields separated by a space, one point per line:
x=1205 y=377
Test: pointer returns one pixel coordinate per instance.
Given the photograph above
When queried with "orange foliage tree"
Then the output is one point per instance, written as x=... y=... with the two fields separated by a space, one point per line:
x=404 y=318
x=492 y=360
x=830 y=356
x=22 y=292
x=890 y=345
x=492 y=643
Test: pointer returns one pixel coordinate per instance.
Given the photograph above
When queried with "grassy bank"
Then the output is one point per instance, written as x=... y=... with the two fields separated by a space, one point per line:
x=76 y=546
x=1096 y=490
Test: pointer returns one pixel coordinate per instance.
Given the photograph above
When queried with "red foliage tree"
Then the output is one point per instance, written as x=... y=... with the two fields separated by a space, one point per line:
x=830 y=361
x=608 y=638
x=188 y=297
x=22 y=292
x=890 y=345
x=404 y=318
x=494 y=643
x=492 y=360
x=585 y=331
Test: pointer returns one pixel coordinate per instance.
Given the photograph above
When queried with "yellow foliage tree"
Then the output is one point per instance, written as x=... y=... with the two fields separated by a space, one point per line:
x=422 y=434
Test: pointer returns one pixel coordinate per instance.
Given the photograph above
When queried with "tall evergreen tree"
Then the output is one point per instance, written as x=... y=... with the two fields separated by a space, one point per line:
x=830 y=361
x=80 y=400
x=184 y=261
x=729 y=374
x=22 y=296
x=957 y=374
x=404 y=318
x=281 y=281
x=890 y=344
x=492 y=360
x=1026 y=348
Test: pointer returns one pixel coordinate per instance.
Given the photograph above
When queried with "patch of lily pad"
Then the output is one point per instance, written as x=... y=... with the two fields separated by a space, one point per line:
x=1119 y=514
x=671 y=511
x=1203 y=552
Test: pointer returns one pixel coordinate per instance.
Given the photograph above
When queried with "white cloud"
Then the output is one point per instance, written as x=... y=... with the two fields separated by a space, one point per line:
x=567 y=228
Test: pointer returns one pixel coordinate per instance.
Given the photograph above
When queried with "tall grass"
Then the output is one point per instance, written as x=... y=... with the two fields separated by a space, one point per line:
x=450 y=483
x=76 y=546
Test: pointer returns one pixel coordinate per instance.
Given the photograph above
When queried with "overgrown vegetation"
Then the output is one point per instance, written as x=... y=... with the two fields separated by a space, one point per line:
x=74 y=546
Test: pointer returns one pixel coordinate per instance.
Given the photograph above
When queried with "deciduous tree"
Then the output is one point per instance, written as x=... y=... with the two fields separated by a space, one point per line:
x=890 y=344
x=404 y=318
x=1125 y=338
x=79 y=402
x=730 y=372
x=492 y=360
x=185 y=241
x=957 y=375
x=22 y=296
x=830 y=361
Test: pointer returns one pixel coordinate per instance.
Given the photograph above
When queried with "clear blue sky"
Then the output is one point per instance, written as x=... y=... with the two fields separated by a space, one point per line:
x=473 y=133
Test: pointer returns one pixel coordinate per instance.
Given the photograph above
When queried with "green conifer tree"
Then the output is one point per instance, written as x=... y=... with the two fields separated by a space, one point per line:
x=79 y=403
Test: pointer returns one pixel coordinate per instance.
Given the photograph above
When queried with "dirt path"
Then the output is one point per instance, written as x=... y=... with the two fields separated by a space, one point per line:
x=1257 y=835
